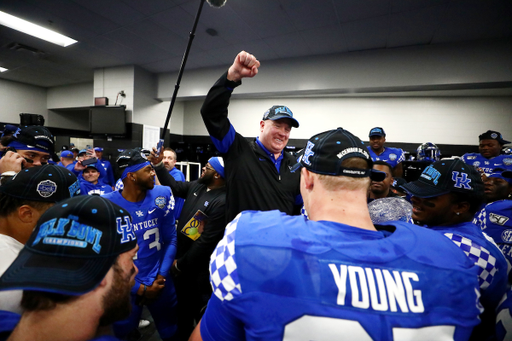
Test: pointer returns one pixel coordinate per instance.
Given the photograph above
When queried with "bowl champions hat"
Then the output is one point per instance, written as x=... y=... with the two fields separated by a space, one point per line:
x=48 y=183
x=325 y=152
x=446 y=176
x=280 y=111
x=72 y=247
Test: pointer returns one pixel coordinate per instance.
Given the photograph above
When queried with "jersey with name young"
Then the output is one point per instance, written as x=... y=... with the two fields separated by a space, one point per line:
x=481 y=249
x=278 y=277
x=393 y=156
x=154 y=225
x=488 y=165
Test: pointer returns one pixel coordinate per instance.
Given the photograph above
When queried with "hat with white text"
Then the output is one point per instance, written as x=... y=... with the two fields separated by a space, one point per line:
x=325 y=152
x=72 y=247
x=445 y=176
x=280 y=111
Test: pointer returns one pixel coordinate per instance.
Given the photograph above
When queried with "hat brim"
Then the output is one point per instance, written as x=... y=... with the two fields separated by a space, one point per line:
x=295 y=123
x=422 y=190
x=57 y=274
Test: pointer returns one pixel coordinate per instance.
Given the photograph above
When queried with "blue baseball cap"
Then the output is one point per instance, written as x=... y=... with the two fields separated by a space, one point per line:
x=280 y=111
x=377 y=131
x=502 y=174
x=67 y=154
x=98 y=149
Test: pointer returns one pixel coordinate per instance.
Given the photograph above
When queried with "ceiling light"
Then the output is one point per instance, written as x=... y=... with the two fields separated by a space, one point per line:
x=2 y=69
x=34 y=30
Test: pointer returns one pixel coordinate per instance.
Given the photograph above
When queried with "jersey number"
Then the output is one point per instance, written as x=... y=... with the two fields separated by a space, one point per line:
x=156 y=243
x=319 y=328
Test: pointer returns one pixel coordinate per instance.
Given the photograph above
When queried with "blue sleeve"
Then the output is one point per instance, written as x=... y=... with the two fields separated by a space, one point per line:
x=218 y=323
x=169 y=238
x=226 y=142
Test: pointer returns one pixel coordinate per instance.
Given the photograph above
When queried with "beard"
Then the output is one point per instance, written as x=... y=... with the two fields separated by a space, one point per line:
x=117 y=302
x=206 y=179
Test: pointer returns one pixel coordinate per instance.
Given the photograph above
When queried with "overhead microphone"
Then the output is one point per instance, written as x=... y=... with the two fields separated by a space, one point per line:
x=216 y=3
x=212 y=3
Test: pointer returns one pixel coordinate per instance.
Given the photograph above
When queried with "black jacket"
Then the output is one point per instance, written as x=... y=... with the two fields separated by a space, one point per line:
x=252 y=180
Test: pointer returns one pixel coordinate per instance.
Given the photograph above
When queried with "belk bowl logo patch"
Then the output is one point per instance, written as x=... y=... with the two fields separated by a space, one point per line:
x=160 y=202
x=507 y=161
x=46 y=188
x=507 y=236
x=392 y=157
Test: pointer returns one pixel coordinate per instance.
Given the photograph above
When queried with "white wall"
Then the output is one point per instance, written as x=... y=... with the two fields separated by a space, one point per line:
x=442 y=120
x=70 y=96
x=16 y=98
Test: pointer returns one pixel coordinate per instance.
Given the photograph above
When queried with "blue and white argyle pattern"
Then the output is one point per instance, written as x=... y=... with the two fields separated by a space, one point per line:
x=480 y=219
x=480 y=256
x=223 y=272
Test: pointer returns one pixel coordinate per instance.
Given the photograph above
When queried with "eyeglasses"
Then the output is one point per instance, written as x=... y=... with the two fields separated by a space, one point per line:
x=210 y=168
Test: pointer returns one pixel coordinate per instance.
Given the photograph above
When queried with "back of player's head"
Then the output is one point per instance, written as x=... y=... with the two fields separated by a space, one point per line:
x=47 y=183
x=72 y=247
x=326 y=154
x=428 y=151
x=131 y=160
x=448 y=176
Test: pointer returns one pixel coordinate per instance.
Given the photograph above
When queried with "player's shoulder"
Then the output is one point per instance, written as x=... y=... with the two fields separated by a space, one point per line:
x=159 y=190
x=429 y=246
x=470 y=156
x=112 y=195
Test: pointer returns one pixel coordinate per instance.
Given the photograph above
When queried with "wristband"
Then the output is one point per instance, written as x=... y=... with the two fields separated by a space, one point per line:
x=144 y=292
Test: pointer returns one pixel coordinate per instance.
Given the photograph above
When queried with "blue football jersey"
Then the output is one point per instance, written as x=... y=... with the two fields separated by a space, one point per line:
x=393 y=156
x=493 y=267
x=504 y=318
x=494 y=220
x=488 y=165
x=278 y=277
x=154 y=225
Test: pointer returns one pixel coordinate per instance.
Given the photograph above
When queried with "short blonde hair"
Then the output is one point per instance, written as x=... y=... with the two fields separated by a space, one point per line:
x=336 y=183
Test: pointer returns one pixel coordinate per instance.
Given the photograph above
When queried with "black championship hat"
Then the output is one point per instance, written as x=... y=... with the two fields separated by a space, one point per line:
x=325 y=152
x=72 y=247
x=446 y=176
x=493 y=135
x=377 y=131
x=280 y=111
x=131 y=157
x=34 y=137
x=48 y=183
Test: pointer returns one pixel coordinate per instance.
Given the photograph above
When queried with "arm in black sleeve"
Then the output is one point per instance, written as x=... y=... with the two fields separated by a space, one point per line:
x=179 y=188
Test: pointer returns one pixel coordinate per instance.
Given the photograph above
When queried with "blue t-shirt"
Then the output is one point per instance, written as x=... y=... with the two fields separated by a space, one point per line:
x=278 y=277
x=393 y=156
x=178 y=176
x=488 y=165
x=154 y=225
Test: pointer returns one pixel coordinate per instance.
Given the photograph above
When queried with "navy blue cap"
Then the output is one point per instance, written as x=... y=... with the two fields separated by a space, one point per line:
x=280 y=111
x=493 y=135
x=377 y=131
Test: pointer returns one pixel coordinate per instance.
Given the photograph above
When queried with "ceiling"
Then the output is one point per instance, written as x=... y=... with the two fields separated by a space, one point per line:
x=154 y=33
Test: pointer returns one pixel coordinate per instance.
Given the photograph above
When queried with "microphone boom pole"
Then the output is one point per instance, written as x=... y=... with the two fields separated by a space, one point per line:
x=182 y=68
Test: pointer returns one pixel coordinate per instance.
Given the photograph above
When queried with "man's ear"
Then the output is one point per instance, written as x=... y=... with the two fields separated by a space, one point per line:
x=27 y=214
x=308 y=178
x=262 y=125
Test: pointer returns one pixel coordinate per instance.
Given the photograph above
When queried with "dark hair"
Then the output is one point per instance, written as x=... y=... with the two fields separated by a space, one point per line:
x=40 y=300
x=475 y=200
x=10 y=204
x=383 y=163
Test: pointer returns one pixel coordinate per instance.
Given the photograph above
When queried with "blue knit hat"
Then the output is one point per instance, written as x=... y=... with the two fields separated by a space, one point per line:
x=218 y=164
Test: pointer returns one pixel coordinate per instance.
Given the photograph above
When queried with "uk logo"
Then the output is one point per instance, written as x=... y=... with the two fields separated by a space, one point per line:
x=206 y=203
x=125 y=230
x=307 y=153
x=461 y=181
x=139 y=213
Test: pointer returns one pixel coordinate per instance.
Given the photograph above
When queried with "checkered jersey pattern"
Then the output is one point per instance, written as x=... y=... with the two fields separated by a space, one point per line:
x=170 y=205
x=480 y=219
x=223 y=272
x=480 y=256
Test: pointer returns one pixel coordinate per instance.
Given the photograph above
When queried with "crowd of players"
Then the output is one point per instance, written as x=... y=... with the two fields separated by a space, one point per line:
x=328 y=244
